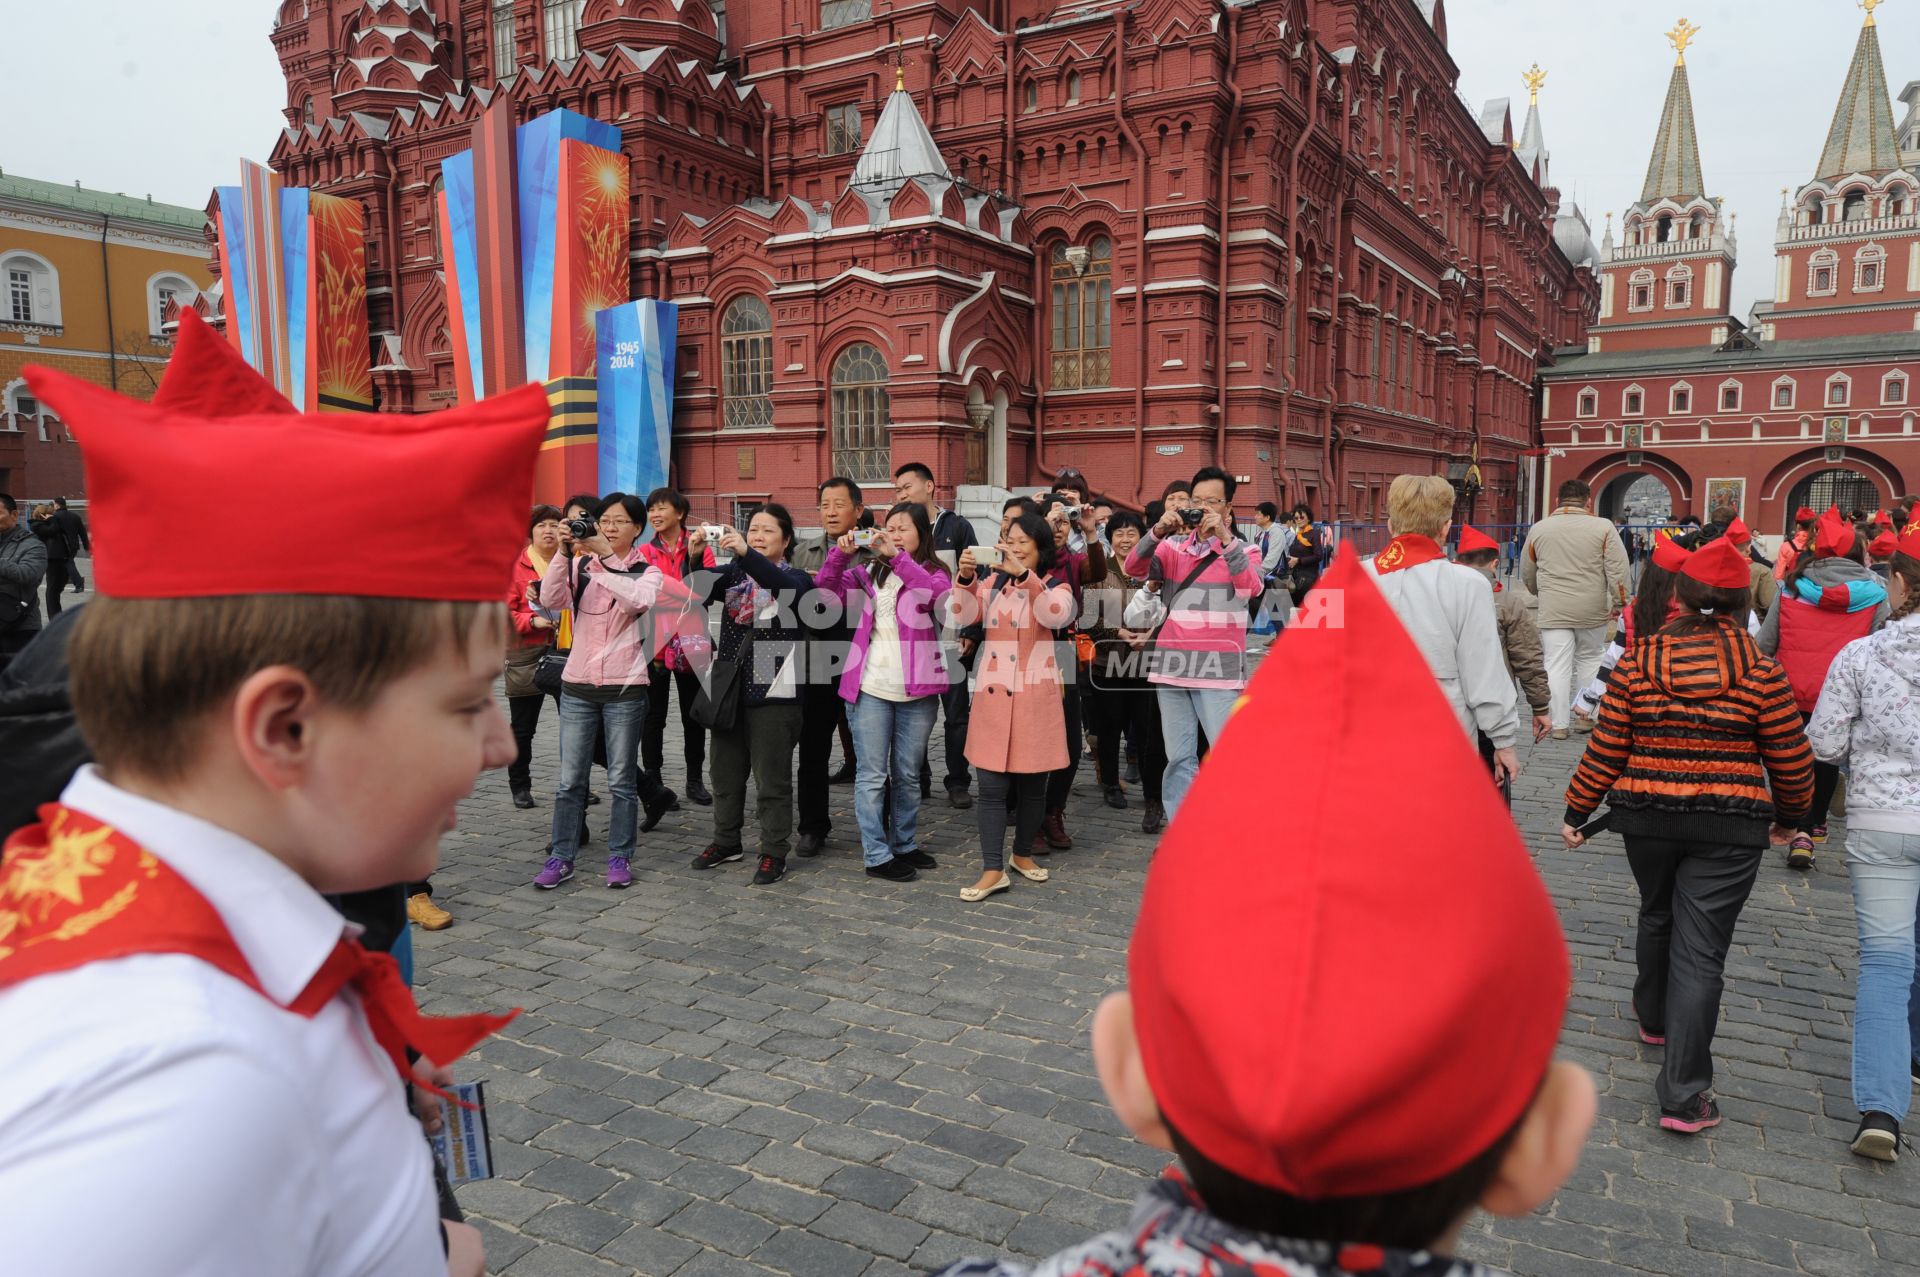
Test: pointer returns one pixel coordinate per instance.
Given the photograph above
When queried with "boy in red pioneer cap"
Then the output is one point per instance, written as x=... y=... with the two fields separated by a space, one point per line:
x=203 y=1066
x=1347 y=1042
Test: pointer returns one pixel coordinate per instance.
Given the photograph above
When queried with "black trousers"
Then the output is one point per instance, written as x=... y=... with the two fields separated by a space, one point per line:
x=1826 y=779
x=1124 y=711
x=58 y=574
x=661 y=683
x=820 y=712
x=1691 y=895
x=1060 y=783
x=524 y=713
x=1018 y=795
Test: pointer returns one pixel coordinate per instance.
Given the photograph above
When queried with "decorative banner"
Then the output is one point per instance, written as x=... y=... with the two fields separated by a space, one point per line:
x=636 y=350
x=536 y=222
x=296 y=297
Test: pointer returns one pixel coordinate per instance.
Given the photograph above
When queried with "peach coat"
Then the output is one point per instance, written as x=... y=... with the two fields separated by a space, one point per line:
x=1018 y=723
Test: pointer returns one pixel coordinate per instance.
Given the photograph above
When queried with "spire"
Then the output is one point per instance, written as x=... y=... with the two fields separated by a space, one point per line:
x=901 y=149
x=1861 y=138
x=1674 y=171
x=1532 y=146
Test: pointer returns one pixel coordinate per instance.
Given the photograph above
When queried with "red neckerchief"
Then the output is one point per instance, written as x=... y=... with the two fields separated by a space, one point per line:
x=75 y=891
x=1408 y=550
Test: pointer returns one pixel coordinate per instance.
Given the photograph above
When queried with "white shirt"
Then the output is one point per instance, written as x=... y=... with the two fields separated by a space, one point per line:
x=885 y=673
x=158 y=1117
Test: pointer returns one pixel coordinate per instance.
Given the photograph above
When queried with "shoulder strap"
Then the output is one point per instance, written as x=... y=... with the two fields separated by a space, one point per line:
x=1206 y=560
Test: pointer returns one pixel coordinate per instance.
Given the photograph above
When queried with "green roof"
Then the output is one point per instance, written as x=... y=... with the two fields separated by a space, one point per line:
x=82 y=200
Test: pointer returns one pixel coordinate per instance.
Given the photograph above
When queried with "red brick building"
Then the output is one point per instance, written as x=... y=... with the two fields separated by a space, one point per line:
x=1002 y=236
x=1809 y=402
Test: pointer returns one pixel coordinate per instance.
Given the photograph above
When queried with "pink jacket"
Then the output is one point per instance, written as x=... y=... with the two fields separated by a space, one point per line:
x=609 y=640
x=680 y=639
x=1192 y=627
x=922 y=592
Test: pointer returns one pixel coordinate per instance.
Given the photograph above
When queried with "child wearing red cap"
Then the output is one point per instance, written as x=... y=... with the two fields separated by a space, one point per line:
x=204 y=1068
x=1829 y=599
x=1519 y=636
x=1340 y=1092
x=1697 y=727
x=1803 y=520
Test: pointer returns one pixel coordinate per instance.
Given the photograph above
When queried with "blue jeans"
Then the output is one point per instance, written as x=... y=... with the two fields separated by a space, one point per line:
x=890 y=738
x=1885 y=868
x=1185 y=712
x=580 y=723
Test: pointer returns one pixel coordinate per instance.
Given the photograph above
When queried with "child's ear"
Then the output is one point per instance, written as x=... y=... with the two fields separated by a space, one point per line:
x=1547 y=1147
x=271 y=720
x=1116 y=1057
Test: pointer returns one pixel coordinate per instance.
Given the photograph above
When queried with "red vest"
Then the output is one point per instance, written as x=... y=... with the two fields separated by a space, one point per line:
x=1810 y=637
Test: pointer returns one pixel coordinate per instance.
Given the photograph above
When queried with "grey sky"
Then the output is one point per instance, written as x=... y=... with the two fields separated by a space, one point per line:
x=178 y=90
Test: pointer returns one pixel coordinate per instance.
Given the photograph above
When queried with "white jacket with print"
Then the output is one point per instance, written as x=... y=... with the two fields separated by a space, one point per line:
x=1869 y=718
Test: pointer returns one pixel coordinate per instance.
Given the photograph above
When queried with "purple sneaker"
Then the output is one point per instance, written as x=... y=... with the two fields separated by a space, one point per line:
x=618 y=875
x=557 y=871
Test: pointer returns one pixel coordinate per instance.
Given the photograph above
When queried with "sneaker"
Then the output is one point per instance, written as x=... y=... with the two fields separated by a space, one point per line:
x=772 y=869
x=1800 y=853
x=618 y=874
x=1877 y=1138
x=1652 y=1037
x=1582 y=723
x=918 y=859
x=959 y=799
x=717 y=855
x=893 y=869
x=1116 y=799
x=1155 y=820
x=1699 y=1114
x=1819 y=833
x=427 y=915
x=556 y=872
x=1559 y=733
x=697 y=792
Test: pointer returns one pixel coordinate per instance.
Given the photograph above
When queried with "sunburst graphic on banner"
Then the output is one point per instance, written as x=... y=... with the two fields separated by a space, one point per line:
x=340 y=303
x=600 y=225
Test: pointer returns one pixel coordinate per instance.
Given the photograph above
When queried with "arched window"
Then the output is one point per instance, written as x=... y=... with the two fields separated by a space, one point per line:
x=306 y=110
x=1679 y=287
x=1073 y=89
x=1082 y=350
x=433 y=213
x=1870 y=269
x=503 y=42
x=746 y=365
x=1640 y=290
x=1033 y=95
x=33 y=289
x=862 y=415
x=162 y=289
x=1822 y=269
x=22 y=411
x=561 y=27
x=1853 y=206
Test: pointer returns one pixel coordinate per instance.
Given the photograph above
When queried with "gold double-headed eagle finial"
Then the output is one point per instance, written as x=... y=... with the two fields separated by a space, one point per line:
x=1870 y=6
x=1685 y=34
x=1534 y=78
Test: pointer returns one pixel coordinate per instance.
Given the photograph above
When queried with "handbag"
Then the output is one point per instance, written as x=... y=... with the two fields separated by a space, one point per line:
x=719 y=703
x=550 y=670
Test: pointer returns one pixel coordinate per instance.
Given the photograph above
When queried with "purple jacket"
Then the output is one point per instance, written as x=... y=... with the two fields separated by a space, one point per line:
x=922 y=592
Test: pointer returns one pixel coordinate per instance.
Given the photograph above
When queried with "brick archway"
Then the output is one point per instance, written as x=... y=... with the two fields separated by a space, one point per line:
x=1605 y=473
x=1780 y=481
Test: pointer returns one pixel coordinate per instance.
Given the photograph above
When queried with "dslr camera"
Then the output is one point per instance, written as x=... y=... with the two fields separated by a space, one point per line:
x=581 y=529
x=1192 y=515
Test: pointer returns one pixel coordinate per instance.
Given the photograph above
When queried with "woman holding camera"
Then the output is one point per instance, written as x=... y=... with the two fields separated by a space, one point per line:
x=1697 y=750
x=758 y=592
x=609 y=586
x=1017 y=736
x=534 y=630
x=893 y=681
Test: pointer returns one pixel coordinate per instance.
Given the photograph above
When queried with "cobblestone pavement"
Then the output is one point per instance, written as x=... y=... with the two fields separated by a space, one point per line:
x=835 y=1076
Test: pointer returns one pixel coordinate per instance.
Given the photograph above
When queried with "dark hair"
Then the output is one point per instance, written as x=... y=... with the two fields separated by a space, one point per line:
x=778 y=513
x=1407 y=1219
x=1703 y=606
x=1176 y=485
x=636 y=508
x=1125 y=519
x=915 y=467
x=1907 y=568
x=1072 y=478
x=1097 y=501
x=1301 y=507
x=1574 y=490
x=1153 y=512
x=1040 y=532
x=669 y=496
x=1723 y=515
x=6 y=499
x=61 y=502
x=1478 y=558
x=1267 y=510
x=586 y=501
x=541 y=513
x=917 y=513
x=841 y=481
x=1213 y=474
x=1653 y=600
x=1021 y=503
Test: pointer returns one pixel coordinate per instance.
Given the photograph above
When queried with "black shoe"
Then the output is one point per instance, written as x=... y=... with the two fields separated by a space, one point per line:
x=842 y=777
x=656 y=808
x=1116 y=799
x=809 y=845
x=593 y=799
x=1699 y=1114
x=1878 y=1138
x=522 y=797
x=697 y=792
x=926 y=790
x=959 y=798
x=717 y=855
x=919 y=860
x=1155 y=820
x=772 y=869
x=894 y=870
x=1132 y=773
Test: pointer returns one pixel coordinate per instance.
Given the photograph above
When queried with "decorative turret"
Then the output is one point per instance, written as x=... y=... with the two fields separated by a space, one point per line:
x=1668 y=282
x=394 y=57
x=900 y=153
x=1861 y=138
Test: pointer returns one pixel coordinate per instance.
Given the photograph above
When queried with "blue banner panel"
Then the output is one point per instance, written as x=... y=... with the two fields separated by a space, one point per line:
x=634 y=363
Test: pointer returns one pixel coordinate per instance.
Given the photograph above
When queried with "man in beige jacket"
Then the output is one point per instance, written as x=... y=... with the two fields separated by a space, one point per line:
x=1575 y=562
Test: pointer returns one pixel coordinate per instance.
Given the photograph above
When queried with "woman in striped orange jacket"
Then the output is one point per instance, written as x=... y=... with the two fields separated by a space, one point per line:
x=1697 y=727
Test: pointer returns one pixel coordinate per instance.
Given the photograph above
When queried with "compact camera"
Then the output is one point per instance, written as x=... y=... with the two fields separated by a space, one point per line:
x=1192 y=515
x=863 y=538
x=581 y=529
x=986 y=556
x=712 y=532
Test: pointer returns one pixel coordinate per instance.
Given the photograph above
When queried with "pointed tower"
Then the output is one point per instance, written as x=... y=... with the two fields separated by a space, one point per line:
x=1668 y=282
x=1531 y=149
x=1849 y=240
x=901 y=150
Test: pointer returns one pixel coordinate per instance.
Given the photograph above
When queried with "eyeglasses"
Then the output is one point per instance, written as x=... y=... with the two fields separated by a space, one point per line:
x=1213 y=503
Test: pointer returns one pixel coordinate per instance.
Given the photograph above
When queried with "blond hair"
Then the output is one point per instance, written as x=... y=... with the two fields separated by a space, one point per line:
x=1420 y=505
x=147 y=673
